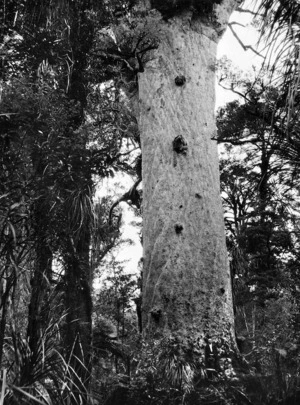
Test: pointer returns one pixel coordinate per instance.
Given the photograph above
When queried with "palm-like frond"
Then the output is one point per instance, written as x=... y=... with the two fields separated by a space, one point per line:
x=179 y=372
x=280 y=30
x=42 y=376
x=32 y=375
x=81 y=210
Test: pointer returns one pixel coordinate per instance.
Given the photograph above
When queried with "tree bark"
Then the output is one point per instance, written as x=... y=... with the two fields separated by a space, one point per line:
x=186 y=277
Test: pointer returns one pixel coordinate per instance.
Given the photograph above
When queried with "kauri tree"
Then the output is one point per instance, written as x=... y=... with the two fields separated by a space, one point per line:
x=186 y=279
x=162 y=57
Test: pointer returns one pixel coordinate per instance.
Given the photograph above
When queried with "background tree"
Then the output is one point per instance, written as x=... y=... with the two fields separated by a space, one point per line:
x=43 y=110
x=258 y=190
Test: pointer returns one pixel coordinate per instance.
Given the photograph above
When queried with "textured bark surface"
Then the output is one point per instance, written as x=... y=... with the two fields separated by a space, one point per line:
x=186 y=278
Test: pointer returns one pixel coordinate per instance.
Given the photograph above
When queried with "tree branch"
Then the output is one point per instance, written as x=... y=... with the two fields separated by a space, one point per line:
x=237 y=142
x=131 y=195
x=245 y=47
x=243 y=10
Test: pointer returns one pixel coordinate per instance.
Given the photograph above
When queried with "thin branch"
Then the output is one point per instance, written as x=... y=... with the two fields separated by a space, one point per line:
x=243 y=10
x=231 y=88
x=245 y=47
x=236 y=142
x=237 y=23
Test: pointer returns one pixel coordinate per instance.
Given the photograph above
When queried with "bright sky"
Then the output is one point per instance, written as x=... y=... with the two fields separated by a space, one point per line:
x=244 y=60
x=233 y=50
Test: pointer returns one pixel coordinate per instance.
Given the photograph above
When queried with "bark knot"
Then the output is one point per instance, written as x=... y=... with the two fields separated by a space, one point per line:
x=178 y=229
x=180 y=80
x=180 y=145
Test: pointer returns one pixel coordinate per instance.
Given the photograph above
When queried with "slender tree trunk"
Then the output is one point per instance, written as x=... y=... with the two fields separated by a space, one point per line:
x=77 y=259
x=7 y=283
x=263 y=186
x=38 y=309
x=38 y=315
x=79 y=316
x=186 y=277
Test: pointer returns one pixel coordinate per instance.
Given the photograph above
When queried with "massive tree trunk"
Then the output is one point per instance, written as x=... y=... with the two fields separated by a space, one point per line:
x=186 y=277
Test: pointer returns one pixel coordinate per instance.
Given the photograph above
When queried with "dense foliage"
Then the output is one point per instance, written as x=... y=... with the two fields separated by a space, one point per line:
x=261 y=200
x=58 y=135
